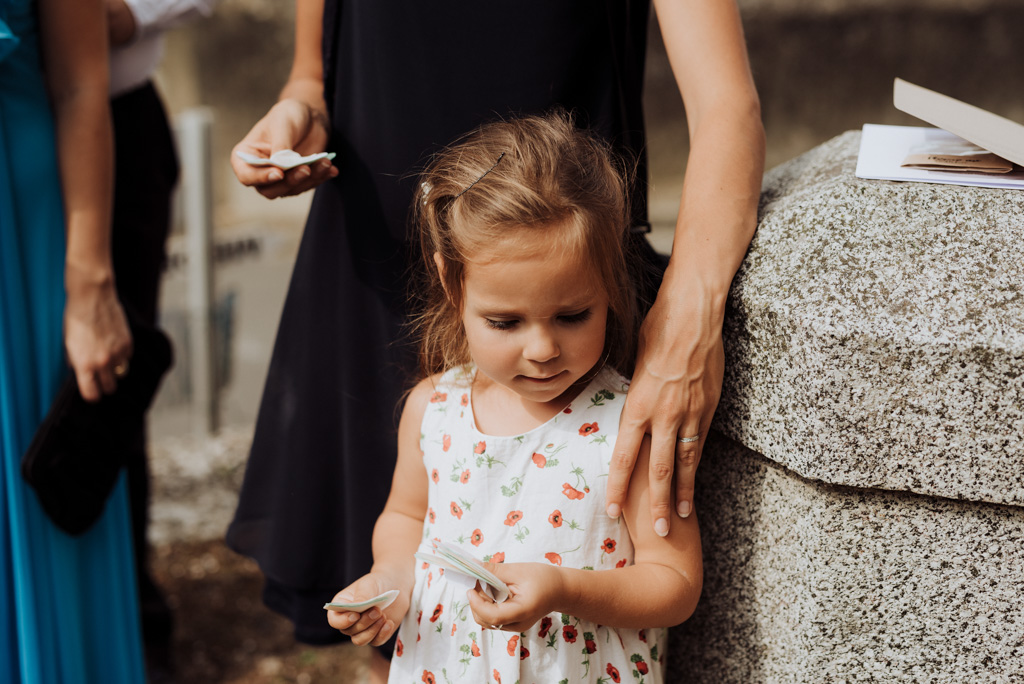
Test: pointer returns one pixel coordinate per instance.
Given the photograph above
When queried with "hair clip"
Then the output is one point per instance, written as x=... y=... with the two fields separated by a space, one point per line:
x=498 y=161
x=425 y=187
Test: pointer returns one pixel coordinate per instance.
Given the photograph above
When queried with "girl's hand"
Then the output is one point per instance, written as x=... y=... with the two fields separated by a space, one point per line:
x=96 y=335
x=372 y=626
x=535 y=588
x=674 y=393
x=291 y=124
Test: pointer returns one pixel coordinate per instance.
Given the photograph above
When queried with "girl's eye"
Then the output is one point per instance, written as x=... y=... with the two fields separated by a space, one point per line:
x=500 y=324
x=575 y=318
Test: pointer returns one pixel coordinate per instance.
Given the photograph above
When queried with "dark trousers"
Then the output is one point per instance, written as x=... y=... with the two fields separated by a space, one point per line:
x=146 y=168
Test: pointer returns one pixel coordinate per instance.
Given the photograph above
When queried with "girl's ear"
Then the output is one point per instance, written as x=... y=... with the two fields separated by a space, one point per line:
x=439 y=262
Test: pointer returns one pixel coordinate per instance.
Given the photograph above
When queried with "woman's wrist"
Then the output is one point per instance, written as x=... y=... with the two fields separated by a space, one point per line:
x=87 y=276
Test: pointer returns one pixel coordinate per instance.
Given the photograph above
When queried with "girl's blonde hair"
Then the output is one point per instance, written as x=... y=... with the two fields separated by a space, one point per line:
x=499 y=186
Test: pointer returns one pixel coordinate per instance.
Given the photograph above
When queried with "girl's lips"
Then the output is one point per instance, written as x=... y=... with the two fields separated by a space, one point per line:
x=542 y=380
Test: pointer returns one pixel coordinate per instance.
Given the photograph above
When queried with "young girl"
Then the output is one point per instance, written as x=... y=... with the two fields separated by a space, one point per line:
x=504 y=448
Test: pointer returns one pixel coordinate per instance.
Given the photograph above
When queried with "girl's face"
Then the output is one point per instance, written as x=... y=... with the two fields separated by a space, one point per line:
x=534 y=320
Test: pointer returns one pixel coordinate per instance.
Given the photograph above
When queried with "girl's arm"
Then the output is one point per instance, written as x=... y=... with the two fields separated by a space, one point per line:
x=297 y=122
x=678 y=377
x=74 y=46
x=660 y=590
x=396 y=536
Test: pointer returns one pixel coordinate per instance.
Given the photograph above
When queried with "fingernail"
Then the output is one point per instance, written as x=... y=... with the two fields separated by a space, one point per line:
x=614 y=511
x=373 y=614
x=684 y=509
x=661 y=527
x=275 y=176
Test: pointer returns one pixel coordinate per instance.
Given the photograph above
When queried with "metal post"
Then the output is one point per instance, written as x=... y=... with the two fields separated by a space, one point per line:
x=197 y=213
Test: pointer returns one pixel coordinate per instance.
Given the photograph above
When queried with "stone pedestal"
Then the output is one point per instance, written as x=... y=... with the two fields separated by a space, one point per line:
x=862 y=498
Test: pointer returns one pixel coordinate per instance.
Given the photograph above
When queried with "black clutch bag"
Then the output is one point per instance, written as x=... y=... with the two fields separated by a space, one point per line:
x=80 y=447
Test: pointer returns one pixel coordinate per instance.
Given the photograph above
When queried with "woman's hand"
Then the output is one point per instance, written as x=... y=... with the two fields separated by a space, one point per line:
x=291 y=124
x=372 y=626
x=534 y=588
x=674 y=393
x=96 y=335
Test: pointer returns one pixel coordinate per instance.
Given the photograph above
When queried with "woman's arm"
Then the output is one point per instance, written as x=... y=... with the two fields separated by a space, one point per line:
x=396 y=536
x=74 y=41
x=297 y=122
x=660 y=590
x=678 y=377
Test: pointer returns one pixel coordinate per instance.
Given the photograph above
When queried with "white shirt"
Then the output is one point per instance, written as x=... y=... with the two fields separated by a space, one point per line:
x=133 y=63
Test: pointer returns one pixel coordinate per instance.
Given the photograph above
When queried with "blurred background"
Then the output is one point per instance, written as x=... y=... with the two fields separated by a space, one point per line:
x=822 y=67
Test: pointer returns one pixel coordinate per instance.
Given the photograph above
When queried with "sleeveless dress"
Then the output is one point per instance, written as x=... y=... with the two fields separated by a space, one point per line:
x=68 y=609
x=531 y=498
x=401 y=79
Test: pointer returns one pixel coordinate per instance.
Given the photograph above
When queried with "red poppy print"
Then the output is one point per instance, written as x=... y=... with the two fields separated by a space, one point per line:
x=643 y=635
x=588 y=429
x=446 y=443
x=431 y=516
x=513 y=517
x=555 y=518
x=438 y=609
x=464 y=477
x=513 y=643
x=464 y=401
x=589 y=645
x=454 y=625
x=498 y=557
x=553 y=558
x=476 y=538
x=497 y=676
x=571 y=492
x=399 y=648
x=475 y=650
x=569 y=633
x=428 y=677
x=621 y=563
x=524 y=653
x=456 y=510
x=419 y=617
x=641 y=666
x=567 y=409
x=438 y=397
x=540 y=460
x=613 y=672
x=545 y=626
x=608 y=545
x=435 y=476
x=480 y=448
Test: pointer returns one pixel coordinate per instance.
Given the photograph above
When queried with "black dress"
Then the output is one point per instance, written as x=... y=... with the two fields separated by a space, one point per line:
x=402 y=79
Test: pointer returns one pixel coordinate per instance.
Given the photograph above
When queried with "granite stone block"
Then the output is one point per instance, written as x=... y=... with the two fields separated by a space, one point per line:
x=875 y=332
x=811 y=582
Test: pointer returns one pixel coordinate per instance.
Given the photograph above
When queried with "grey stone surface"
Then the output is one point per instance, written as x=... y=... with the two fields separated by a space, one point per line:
x=875 y=332
x=808 y=582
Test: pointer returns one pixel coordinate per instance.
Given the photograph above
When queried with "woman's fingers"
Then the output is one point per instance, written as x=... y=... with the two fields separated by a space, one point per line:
x=627 y=446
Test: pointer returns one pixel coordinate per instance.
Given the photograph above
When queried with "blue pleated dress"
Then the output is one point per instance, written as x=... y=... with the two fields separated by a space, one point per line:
x=68 y=605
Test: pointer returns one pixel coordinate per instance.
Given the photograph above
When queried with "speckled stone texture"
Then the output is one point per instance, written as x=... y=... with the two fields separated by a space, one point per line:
x=875 y=332
x=808 y=582
x=862 y=493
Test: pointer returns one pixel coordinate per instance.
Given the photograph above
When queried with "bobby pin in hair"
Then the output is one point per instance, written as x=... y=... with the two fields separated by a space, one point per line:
x=480 y=178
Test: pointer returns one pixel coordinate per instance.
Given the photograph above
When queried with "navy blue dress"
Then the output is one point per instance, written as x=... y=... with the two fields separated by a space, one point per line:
x=402 y=79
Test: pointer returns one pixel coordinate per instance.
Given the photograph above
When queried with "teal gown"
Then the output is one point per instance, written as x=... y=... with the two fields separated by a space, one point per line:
x=68 y=605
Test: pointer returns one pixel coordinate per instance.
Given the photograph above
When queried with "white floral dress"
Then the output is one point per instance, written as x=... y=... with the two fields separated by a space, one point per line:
x=536 y=497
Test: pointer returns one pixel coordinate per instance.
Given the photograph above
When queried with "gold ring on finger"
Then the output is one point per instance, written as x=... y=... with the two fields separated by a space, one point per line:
x=121 y=369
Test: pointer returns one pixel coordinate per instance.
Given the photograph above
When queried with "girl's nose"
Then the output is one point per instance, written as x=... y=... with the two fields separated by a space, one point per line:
x=541 y=346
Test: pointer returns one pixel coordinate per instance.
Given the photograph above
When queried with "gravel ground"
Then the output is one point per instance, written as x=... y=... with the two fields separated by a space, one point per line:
x=223 y=633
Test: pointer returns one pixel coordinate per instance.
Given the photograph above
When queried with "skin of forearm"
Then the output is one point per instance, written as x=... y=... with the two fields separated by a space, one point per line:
x=718 y=209
x=635 y=597
x=84 y=133
x=396 y=536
